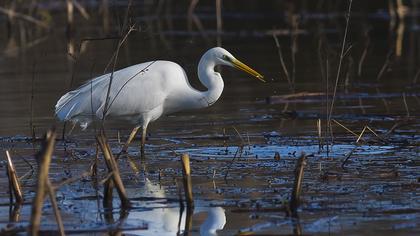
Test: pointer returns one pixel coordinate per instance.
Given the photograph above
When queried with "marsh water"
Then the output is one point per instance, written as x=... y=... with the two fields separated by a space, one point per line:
x=244 y=148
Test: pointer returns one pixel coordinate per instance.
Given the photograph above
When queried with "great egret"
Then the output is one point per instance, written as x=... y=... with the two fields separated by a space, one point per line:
x=142 y=93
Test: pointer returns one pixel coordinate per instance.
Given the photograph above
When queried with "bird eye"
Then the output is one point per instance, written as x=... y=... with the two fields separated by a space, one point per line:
x=226 y=58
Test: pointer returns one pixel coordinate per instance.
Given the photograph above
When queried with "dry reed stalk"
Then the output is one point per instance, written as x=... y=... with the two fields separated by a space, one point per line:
x=130 y=139
x=108 y=190
x=348 y=157
x=105 y=15
x=81 y=9
x=293 y=46
x=385 y=65
x=297 y=229
x=219 y=22
x=15 y=215
x=191 y=8
x=364 y=53
x=406 y=105
x=400 y=38
x=361 y=106
x=377 y=135
x=44 y=159
x=297 y=186
x=188 y=221
x=94 y=169
x=114 y=59
x=113 y=167
x=416 y=77
x=106 y=178
x=186 y=171
x=51 y=193
x=361 y=134
x=239 y=151
x=133 y=165
x=31 y=120
x=13 y=179
x=283 y=65
x=318 y=125
x=181 y=207
x=11 y=13
x=73 y=179
x=342 y=54
x=70 y=16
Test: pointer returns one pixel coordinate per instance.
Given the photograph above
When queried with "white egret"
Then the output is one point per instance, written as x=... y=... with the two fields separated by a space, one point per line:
x=142 y=93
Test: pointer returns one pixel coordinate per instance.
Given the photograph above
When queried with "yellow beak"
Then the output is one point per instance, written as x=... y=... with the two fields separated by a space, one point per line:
x=239 y=65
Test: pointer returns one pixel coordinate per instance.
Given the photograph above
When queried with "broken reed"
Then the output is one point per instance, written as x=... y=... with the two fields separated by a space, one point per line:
x=44 y=186
x=13 y=180
x=297 y=186
x=113 y=170
x=186 y=172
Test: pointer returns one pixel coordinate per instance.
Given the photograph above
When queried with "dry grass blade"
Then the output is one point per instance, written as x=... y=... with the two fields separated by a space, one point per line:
x=13 y=179
x=44 y=160
x=361 y=134
x=113 y=167
x=344 y=127
x=377 y=135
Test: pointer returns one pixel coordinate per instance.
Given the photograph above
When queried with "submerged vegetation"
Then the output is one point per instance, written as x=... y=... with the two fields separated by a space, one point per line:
x=329 y=145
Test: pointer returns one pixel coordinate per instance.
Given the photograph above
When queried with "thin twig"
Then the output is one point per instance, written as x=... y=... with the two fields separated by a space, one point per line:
x=341 y=59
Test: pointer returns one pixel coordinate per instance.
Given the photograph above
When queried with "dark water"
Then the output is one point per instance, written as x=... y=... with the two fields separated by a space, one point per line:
x=377 y=191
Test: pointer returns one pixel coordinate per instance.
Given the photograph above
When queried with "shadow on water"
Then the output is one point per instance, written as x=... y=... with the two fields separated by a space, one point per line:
x=244 y=148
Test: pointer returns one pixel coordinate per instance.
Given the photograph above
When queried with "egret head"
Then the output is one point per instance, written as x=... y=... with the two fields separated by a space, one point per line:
x=223 y=57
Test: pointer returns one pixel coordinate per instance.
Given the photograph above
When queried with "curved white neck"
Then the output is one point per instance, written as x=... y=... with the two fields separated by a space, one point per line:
x=212 y=80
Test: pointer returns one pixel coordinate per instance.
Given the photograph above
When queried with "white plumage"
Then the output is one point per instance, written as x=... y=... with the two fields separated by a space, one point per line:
x=142 y=93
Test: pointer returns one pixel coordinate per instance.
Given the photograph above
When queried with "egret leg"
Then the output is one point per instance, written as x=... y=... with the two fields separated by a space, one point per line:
x=143 y=139
x=130 y=138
